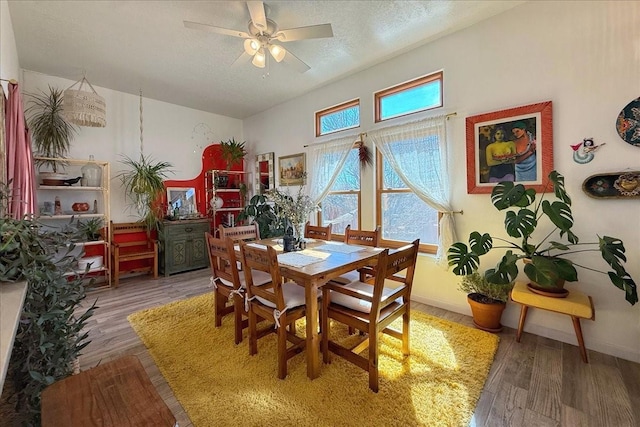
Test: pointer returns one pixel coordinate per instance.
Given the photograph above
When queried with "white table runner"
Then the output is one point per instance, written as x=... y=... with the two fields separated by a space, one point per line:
x=297 y=259
x=339 y=247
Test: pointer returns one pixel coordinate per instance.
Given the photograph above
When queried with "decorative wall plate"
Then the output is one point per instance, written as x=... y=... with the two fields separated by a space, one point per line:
x=628 y=123
x=619 y=185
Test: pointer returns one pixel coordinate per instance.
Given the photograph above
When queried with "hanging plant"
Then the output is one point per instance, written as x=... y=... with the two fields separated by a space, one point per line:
x=143 y=185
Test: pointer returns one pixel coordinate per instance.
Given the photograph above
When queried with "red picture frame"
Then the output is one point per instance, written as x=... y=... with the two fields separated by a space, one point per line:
x=515 y=144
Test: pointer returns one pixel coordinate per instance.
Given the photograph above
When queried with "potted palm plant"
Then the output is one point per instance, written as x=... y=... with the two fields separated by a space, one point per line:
x=143 y=186
x=51 y=133
x=549 y=262
x=487 y=300
x=232 y=152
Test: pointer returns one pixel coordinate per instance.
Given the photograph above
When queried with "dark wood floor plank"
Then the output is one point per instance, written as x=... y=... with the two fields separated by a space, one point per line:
x=508 y=406
x=546 y=383
x=631 y=377
x=613 y=404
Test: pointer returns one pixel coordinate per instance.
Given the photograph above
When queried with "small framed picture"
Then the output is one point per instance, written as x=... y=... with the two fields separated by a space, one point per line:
x=291 y=169
x=510 y=145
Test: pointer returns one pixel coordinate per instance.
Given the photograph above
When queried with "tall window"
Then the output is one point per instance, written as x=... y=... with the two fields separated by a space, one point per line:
x=402 y=215
x=337 y=118
x=417 y=95
x=341 y=206
x=412 y=183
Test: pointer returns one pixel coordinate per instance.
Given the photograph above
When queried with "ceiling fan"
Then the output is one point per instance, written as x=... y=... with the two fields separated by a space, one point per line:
x=262 y=35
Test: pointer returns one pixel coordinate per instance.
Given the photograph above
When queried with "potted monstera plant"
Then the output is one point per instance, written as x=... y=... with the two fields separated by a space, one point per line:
x=548 y=262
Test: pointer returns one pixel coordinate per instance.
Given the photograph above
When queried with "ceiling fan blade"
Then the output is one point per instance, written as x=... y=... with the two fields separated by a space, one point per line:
x=296 y=62
x=310 y=32
x=244 y=58
x=258 y=17
x=217 y=30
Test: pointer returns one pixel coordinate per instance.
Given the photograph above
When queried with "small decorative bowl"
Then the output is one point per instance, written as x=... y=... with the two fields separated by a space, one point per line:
x=80 y=207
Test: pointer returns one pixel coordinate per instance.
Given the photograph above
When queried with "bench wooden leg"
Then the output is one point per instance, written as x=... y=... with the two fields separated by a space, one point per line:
x=523 y=316
x=578 y=329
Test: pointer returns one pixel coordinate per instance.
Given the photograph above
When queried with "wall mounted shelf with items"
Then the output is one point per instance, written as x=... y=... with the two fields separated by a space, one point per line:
x=613 y=185
x=225 y=192
x=213 y=168
x=77 y=201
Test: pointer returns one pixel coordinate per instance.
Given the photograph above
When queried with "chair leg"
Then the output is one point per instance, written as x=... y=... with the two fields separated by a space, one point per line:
x=116 y=273
x=324 y=327
x=578 y=329
x=253 y=332
x=219 y=306
x=373 y=361
x=237 y=314
x=523 y=317
x=155 y=267
x=405 y=333
x=282 y=348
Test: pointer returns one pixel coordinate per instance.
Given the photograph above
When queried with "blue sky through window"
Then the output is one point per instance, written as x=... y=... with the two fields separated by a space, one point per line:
x=411 y=100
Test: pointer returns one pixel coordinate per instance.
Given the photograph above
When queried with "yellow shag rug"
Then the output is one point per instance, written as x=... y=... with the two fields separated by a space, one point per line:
x=219 y=384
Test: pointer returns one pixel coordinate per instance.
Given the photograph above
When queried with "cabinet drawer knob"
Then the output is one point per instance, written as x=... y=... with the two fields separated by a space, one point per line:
x=188 y=229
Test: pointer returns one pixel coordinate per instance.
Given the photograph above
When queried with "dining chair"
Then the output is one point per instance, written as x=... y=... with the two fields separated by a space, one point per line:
x=280 y=302
x=228 y=284
x=363 y=238
x=242 y=232
x=317 y=232
x=371 y=309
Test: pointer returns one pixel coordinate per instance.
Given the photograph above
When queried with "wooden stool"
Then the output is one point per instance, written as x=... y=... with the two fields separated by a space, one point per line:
x=118 y=393
x=576 y=304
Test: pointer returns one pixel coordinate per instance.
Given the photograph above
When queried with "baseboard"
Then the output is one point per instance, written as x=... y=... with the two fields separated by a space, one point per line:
x=533 y=328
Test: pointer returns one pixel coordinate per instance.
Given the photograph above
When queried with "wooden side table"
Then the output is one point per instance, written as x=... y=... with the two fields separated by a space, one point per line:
x=116 y=394
x=577 y=305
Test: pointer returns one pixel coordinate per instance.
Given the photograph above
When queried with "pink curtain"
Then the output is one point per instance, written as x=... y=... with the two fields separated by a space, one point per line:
x=20 y=168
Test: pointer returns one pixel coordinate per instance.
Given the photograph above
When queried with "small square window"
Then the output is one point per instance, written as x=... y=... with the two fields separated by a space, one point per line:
x=337 y=118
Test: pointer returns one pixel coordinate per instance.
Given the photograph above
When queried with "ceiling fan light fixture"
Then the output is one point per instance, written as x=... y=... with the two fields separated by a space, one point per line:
x=278 y=52
x=251 y=46
x=259 y=58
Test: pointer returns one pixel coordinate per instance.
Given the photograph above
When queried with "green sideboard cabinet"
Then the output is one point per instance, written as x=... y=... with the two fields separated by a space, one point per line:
x=183 y=246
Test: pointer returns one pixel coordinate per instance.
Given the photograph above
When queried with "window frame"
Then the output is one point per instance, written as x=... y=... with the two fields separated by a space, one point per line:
x=334 y=109
x=380 y=190
x=339 y=235
x=420 y=81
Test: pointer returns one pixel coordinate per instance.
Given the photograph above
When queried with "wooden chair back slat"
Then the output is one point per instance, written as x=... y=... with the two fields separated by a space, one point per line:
x=254 y=258
x=243 y=232
x=317 y=232
x=362 y=237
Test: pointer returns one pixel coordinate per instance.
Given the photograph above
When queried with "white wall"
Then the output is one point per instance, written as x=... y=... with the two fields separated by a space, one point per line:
x=9 y=66
x=170 y=133
x=583 y=56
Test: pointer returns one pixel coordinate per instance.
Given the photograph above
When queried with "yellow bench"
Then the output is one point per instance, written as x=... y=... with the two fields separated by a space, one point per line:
x=577 y=305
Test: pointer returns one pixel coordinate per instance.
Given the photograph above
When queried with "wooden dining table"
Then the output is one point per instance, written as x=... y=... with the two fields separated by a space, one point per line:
x=334 y=263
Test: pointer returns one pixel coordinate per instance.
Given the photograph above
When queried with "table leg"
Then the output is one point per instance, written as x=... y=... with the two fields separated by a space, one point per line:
x=523 y=316
x=313 y=343
x=578 y=329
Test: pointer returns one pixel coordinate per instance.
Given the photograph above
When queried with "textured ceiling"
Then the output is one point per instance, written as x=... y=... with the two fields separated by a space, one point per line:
x=133 y=45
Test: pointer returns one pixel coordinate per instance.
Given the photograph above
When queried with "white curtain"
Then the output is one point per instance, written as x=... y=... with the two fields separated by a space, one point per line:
x=327 y=159
x=417 y=152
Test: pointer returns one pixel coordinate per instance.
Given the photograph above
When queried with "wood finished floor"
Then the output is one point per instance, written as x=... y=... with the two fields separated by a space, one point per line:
x=537 y=382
